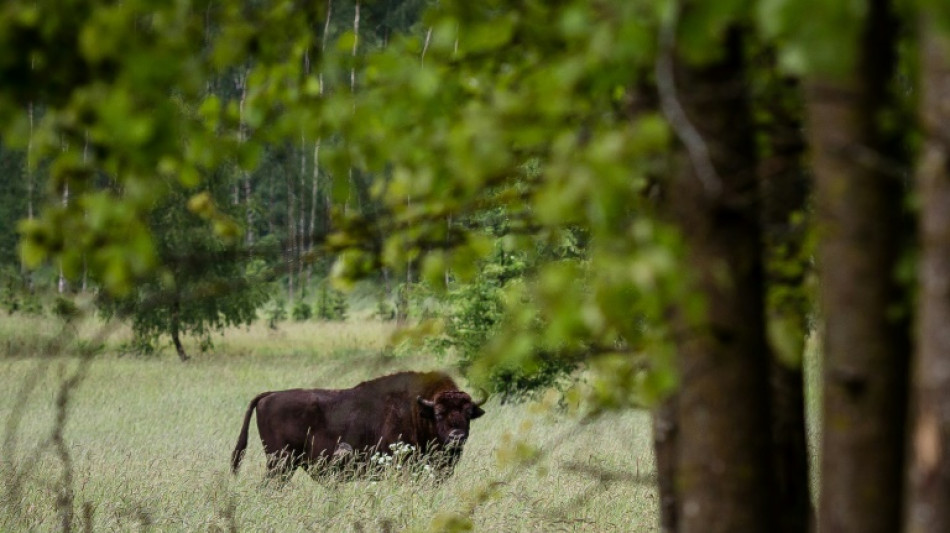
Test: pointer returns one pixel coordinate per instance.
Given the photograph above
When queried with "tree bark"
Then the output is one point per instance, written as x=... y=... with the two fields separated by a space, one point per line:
x=291 y=241
x=929 y=481
x=61 y=285
x=665 y=449
x=315 y=185
x=328 y=186
x=176 y=337
x=302 y=234
x=724 y=469
x=865 y=346
x=245 y=175
x=784 y=188
x=85 y=161
x=356 y=39
x=28 y=168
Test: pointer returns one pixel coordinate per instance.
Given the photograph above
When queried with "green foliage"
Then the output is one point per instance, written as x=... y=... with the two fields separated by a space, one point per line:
x=474 y=312
x=530 y=144
x=11 y=289
x=817 y=37
x=384 y=310
x=275 y=311
x=203 y=287
x=331 y=304
x=527 y=131
x=302 y=311
x=14 y=197
x=524 y=110
x=9 y=301
x=64 y=308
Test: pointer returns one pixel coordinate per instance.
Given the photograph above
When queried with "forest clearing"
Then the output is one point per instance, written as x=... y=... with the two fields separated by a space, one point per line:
x=150 y=439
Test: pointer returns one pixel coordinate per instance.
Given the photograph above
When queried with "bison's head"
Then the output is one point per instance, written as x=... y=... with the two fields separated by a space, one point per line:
x=452 y=412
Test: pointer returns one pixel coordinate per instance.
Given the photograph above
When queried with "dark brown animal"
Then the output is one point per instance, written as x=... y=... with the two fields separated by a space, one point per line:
x=316 y=428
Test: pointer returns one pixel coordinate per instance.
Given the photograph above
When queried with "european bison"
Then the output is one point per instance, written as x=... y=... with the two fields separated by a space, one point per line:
x=318 y=429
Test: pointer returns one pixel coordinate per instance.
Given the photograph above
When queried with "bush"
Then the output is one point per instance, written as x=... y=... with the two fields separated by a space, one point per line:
x=9 y=301
x=302 y=311
x=475 y=312
x=384 y=310
x=275 y=311
x=64 y=308
x=331 y=305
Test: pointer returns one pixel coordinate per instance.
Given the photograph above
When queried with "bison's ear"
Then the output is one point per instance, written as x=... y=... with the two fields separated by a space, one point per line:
x=477 y=412
x=427 y=407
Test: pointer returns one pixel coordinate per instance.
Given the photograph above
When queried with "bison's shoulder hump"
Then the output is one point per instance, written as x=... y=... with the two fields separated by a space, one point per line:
x=411 y=379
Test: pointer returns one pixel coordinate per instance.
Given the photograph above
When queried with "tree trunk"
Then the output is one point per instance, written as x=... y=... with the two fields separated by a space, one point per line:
x=356 y=40
x=61 y=284
x=865 y=346
x=270 y=205
x=302 y=216
x=291 y=241
x=929 y=481
x=784 y=195
x=328 y=187
x=724 y=469
x=665 y=448
x=176 y=322
x=245 y=175
x=425 y=47
x=85 y=161
x=314 y=202
x=28 y=167
x=28 y=171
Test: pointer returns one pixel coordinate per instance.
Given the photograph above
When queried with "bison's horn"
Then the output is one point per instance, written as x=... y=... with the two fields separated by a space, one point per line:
x=423 y=401
x=484 y=397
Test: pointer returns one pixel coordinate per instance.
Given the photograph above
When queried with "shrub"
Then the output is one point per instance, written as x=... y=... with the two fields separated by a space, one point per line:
x=331 y=305
x=475 y=312
x=275 y=311
x=384 y=310
x=302 y=311
x=64 y=308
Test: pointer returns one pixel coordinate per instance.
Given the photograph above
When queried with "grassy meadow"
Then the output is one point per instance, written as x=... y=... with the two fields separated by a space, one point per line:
x=149 y=442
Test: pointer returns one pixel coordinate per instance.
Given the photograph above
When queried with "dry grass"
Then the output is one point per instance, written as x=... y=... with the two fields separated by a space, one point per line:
x=150 y=441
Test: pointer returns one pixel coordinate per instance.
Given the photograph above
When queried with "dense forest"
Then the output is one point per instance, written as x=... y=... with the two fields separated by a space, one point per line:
x=668 y=198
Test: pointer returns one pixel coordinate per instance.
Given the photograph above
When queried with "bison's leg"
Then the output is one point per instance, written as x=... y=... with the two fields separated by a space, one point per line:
x=280 y=467
x=338 y=464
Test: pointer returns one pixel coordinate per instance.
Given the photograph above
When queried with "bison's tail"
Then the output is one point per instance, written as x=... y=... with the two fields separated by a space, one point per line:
x=238 y=452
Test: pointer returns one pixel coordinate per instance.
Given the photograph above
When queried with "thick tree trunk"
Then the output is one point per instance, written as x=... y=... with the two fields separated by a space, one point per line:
x=929 y=483
x=865 y=346
x=784 y=195
x=724 y=469
x=795 y=513
x=664 y=446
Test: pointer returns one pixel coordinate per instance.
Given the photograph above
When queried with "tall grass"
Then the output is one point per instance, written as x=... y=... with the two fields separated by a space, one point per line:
x=150 y=440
